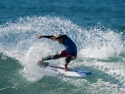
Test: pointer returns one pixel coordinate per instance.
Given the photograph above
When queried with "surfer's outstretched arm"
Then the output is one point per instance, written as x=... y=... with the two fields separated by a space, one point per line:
x=52 y=37
x=39 y=37
x=49 y=37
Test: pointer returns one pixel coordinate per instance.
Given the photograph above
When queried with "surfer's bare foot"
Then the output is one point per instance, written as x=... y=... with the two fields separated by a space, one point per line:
x=39 y=62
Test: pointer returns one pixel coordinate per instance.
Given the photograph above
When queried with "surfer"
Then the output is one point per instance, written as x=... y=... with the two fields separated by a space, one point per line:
x=70 y=51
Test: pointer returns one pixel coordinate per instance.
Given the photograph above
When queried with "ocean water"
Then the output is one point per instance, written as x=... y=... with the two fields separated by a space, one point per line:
x=96 y=26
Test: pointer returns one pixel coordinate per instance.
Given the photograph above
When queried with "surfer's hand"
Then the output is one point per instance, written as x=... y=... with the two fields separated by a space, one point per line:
x=53 y=38
x=39 y=36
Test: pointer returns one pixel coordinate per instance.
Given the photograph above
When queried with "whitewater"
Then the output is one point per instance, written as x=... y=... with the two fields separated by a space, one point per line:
x=100 y=50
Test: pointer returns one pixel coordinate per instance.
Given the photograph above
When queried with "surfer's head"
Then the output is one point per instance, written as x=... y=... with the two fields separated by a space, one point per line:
x=60 y=40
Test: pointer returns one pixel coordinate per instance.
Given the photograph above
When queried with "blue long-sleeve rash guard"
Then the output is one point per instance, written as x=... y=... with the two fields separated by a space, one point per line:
x=68 y=44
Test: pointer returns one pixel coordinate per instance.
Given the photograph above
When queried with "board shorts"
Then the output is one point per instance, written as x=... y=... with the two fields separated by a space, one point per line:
x=61 y=54
x=68 y=56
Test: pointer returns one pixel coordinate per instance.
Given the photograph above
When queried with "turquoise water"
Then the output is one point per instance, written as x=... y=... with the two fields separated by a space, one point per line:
x=97 y=27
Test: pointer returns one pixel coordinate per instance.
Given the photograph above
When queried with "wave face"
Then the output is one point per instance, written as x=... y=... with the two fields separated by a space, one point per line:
x=100 y=50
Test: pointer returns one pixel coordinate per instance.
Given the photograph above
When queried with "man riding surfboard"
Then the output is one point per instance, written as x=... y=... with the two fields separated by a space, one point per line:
x=70 y=51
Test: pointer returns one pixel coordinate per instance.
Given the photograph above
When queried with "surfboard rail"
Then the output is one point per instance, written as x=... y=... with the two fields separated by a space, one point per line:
x=59 y=69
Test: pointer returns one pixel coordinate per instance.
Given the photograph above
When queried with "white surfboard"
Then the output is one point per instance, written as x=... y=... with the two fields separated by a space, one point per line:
x=59 y=70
